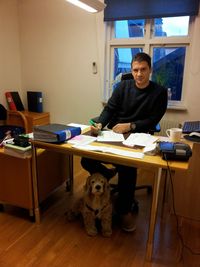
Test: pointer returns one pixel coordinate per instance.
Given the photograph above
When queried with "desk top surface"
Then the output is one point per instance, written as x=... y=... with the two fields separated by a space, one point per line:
x=146 y=161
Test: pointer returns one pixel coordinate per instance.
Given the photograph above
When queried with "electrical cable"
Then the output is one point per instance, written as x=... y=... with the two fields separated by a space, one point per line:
x=183 y=245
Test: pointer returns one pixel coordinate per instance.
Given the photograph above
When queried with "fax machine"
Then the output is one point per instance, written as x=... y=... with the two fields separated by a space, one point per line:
x=175 y=151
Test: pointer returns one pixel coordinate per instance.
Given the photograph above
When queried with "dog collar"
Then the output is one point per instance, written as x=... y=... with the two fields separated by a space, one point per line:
x=95 y=211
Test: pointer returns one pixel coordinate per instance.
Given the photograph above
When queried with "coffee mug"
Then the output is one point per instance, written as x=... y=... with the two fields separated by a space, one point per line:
x=174 y=134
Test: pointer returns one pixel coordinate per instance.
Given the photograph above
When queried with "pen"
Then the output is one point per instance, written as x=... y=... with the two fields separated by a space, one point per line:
x=92 y=123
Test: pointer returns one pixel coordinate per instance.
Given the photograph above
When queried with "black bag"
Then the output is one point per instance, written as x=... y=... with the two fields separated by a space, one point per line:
x=9 y=131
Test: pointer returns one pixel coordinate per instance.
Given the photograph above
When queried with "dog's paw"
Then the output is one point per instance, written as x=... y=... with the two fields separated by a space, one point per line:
x=107 y=233
x=92 y=231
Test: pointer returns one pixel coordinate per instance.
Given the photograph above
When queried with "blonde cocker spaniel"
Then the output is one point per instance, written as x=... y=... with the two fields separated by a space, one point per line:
x=95 y=204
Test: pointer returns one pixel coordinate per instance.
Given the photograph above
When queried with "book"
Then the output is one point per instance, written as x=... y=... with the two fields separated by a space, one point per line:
x=35 y=101
x=14 y=101
x=14 y=153
x=17 y=151
x=55 y=133
x=10 y=101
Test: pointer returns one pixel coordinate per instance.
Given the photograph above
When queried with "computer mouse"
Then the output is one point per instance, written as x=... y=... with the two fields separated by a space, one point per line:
x=194 y=134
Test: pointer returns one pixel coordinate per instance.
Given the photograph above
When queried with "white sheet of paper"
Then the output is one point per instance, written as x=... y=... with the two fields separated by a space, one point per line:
x=111 y=150
x=82 y=126
x=110 y=136
x=82 y=140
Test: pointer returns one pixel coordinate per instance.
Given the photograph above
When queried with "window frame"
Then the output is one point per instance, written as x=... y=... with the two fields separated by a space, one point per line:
x=148 y=42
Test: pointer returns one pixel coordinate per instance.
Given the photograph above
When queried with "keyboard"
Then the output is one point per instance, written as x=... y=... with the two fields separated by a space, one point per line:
x=191 y=126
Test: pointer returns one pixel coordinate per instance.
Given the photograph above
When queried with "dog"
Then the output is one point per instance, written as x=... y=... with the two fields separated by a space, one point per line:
x=95 y=204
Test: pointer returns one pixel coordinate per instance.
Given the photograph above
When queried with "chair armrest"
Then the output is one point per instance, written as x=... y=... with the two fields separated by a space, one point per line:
x=17 y=118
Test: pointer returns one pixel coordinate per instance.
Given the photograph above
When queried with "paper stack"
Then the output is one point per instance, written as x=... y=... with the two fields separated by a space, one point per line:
x=140 y=139
x=17 y=151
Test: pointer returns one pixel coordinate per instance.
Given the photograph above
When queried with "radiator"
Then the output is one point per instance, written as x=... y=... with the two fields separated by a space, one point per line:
x=167 y=124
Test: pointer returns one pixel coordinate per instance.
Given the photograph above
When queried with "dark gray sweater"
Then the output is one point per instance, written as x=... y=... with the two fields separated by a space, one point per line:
x=145 y=107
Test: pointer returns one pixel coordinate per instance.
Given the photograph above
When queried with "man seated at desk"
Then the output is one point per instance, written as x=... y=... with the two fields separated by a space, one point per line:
x=136 y=105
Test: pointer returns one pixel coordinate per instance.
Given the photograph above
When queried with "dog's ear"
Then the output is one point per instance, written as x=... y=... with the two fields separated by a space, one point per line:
x=106 y=186
x=87 y=186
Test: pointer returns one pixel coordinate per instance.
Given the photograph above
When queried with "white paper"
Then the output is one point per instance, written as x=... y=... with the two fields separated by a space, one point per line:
x=140 y=139
x=110 y=136
x=82 y=140
x=105 y=149
x=82 y=126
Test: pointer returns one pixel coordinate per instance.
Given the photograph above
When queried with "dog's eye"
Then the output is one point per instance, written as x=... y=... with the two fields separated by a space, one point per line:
x=102 y=181
x=92 y=182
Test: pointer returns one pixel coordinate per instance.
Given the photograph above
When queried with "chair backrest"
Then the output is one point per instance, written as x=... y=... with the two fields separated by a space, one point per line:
x=127 y=76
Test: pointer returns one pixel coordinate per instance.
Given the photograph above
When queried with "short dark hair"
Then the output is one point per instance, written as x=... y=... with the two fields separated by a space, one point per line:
x=142 y=57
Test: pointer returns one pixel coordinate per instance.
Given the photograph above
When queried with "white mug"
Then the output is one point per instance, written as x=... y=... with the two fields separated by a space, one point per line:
x=174 y=134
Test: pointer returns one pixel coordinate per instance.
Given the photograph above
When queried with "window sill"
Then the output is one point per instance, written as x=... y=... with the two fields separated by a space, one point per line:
x=170 y=106
x=176 y=106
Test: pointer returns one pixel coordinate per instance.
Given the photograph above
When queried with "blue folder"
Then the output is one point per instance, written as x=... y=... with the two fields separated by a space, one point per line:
x=35 y=101
x=55 y=133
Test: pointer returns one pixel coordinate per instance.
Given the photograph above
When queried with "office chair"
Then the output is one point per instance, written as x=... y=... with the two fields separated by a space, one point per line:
x=135 y=208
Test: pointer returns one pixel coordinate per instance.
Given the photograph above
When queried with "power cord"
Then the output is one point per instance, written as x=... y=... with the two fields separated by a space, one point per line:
x=183 y=245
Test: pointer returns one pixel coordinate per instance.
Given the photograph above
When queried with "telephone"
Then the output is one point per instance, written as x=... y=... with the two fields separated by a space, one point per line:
x=175 y=151
x=21 y=141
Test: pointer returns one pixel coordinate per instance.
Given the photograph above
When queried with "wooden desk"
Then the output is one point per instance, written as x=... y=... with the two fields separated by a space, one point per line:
x=153 y=162
x=187 y=189
x=16 y=183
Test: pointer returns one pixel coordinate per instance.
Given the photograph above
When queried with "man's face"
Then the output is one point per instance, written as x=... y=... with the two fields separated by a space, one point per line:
x=141 y=73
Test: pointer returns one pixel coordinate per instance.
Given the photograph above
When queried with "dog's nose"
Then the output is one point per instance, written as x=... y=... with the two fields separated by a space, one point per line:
x=98 y=187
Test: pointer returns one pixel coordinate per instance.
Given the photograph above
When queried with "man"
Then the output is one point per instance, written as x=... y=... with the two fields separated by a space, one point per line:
x=135 y=106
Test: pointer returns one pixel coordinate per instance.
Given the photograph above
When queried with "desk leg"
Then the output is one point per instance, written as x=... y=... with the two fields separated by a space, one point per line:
x=35 y=185
x=154 y=206
x=70 y=178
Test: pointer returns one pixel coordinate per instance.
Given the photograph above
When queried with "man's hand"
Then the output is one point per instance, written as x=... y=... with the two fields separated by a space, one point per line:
x=121 y=128
x=96 y=128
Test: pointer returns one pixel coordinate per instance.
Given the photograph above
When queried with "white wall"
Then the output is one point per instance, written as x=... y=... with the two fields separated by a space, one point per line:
x=10 y=70
x=58 y=43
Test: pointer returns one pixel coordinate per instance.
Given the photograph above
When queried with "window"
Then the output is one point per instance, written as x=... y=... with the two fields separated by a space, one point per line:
x=167 y=40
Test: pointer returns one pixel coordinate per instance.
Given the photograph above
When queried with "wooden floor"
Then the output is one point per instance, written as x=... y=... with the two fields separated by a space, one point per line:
x=57 y=242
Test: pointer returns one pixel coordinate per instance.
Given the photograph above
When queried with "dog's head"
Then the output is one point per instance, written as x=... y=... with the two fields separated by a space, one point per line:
x=97 y=184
